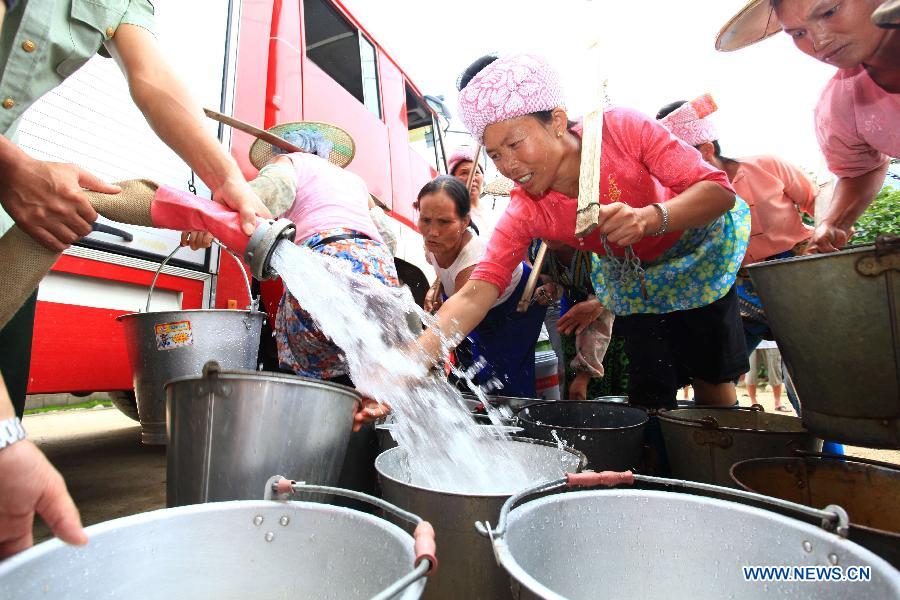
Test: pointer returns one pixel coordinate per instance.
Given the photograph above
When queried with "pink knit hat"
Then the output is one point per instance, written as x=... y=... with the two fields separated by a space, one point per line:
x=460 y=155
x=509 y=87
x=689 y=123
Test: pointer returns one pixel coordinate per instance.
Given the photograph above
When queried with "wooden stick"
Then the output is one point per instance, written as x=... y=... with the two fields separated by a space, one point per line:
x=254 y=131
x=474 y=168
x=588 y=216
x=528 y=292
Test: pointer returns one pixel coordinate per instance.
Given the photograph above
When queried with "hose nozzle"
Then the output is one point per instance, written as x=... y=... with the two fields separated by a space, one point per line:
x=268 y=234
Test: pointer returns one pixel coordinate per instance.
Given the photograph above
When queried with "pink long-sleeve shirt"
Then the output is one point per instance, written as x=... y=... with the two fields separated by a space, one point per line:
x=642 y=163
x=857 y=123
x=774 y=190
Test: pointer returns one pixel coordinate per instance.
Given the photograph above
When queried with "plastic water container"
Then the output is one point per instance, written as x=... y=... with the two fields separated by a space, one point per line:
x=546 y=375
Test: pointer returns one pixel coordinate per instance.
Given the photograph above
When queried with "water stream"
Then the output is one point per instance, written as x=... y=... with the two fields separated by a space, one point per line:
x=369 y=321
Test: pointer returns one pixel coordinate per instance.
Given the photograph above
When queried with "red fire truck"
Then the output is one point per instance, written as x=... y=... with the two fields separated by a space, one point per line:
x=265 y=62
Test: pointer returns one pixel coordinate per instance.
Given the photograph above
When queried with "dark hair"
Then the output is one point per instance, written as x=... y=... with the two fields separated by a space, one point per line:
x=671 y=107
x=455 y=189
x=474 y=69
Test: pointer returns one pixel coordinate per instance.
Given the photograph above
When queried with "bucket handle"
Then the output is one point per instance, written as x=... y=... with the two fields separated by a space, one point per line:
x=425 y=564
x=254 y=302
x=709 y=422
x=833 y=518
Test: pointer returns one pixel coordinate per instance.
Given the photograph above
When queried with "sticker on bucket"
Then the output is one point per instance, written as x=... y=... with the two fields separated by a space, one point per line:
x=173 y=335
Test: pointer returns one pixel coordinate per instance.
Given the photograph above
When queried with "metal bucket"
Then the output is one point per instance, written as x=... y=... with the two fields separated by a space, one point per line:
x=242 y=549
x=703 y=443
x=868 y=490
x=836 y=318
x=610 y=434
x=228 y=431
x=468 y=568
x=627 y=543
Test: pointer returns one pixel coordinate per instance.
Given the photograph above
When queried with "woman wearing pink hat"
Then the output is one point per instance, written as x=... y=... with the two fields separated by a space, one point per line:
x=676 y=308
x=858 y=115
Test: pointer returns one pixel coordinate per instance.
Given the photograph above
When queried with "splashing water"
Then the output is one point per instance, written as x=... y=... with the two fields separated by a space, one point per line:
x=368 y=320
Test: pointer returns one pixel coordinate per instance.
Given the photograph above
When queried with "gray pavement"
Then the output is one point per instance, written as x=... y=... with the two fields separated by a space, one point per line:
x=109 y=473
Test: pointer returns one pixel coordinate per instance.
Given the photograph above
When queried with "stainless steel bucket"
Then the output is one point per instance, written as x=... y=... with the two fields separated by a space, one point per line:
x=610 y=434
x=703 y=443
x=626 y=543
x=165 y=345
x=468 y=568
x=836 y=318
x=869 y=491
x=228 y=431
x=226 y=550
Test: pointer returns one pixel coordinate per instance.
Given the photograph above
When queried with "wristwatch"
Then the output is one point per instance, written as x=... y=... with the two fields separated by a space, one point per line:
x=11 y=431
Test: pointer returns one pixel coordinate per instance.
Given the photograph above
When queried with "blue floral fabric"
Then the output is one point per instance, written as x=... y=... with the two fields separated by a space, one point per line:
x=698 y=270
x=302 y=348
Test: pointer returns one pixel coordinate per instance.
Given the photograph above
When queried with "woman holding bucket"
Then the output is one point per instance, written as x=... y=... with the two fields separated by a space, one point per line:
x=677 y=309
x=505 y=339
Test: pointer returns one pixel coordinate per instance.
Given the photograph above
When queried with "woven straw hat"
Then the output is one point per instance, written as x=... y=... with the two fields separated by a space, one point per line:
x=341 y=154
x=753 y=23
x=501 y=186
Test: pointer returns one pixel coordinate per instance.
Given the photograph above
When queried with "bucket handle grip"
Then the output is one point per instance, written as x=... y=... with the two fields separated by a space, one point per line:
x=254 y=302
x=833 y=518
x=280 y=488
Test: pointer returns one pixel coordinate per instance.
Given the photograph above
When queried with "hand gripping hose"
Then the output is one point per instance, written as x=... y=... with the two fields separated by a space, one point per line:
x=24 y=262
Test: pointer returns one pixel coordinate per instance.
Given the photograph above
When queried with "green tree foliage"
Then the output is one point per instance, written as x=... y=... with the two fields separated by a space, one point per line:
x=883 y=216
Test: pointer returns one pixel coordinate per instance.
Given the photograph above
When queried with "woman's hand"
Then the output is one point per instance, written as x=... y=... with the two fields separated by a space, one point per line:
x=433 y=299
x=196 y=239
x=624 y=225
x=368 y=411
x=826 y=238
x=579 y=317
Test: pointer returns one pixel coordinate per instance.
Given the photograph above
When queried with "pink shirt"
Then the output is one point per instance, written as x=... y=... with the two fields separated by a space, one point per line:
x=642 y=163
x=328 y=197
x=857 y=123
x=773 y=190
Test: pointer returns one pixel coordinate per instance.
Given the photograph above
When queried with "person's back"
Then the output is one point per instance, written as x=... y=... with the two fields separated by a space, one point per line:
x=328 y=197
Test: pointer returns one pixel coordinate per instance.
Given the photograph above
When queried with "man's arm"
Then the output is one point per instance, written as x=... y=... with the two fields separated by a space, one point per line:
x=29 y=484
x=852 y=196
x=178 y=120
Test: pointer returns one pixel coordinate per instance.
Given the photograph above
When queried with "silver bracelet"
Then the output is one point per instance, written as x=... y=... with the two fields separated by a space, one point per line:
x=664 y=213
x=11 y=431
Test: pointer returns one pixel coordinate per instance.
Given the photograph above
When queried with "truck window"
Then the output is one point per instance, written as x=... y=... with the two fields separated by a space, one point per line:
x=340 y=49
x=421 y=129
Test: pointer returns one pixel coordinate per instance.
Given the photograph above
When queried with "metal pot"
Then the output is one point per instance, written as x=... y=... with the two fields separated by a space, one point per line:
x=868 y=490
x=242 y=549
x=616 y=399
x=836 y=318
x=468 y=569
x=229 y=430
x=177 y=343
x=703 y=443
x=507 y=405
x=610 y=434
x=626 y=543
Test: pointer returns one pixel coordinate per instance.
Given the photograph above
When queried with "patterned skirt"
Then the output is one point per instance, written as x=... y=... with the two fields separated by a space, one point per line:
x=698 y=270
x=302 y=348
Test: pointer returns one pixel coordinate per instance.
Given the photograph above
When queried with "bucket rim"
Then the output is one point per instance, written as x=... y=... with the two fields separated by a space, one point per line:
x=245 y=311
x=775 y=460
x=506 y=559
x=848 y=251
x=646 y=416
x=582 y=463
x=39 y=550
x=250 y=374
x=675 y=420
